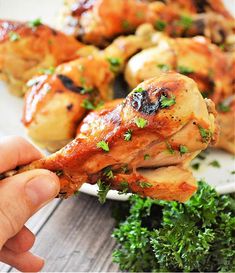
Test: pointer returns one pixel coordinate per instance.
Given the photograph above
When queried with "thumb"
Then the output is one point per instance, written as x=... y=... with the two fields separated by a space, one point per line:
x=21 y=196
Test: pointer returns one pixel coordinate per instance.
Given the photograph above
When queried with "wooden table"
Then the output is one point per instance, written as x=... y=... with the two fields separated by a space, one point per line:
x=74 y=235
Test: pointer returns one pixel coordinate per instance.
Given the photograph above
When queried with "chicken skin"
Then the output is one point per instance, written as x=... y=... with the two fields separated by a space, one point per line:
x=29 y=48
x=99 y=21
x=143 y=145
x=55 y=104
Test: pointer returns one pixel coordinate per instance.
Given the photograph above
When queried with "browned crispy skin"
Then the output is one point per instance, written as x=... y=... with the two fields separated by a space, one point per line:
x=24 y=50
x=99 y=21
x=164 y=174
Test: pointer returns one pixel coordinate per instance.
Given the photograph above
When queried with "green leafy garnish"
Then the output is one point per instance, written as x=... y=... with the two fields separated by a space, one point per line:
x=205 y=133
x=102 y=191
x=223 y=107
x=167 y=102
x=13 y=36
x=144 y=184
x=114 y=63
x=138 y=90
x=125 y=168
x=141 y=122
x=185 y=21
x=195 y=166
x=215 y=163
x=103 y=145
x=160 y=25
x=124 y=187
x=184 y=70
x=108 y=173
x=169 y=148
x=146 y=156
x=128 y=135
x=164 y=67
x=183 y=149
x=161 y=236
x=35 y=23
x=87 y=104
x=59 y=173
x=47 y=71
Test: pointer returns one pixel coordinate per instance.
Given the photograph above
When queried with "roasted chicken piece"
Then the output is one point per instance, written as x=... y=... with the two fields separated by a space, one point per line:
x=29 y=48
x=54 y=104
x=99 y=21
x=195 y=57
x=226 y=120
x=143 y=145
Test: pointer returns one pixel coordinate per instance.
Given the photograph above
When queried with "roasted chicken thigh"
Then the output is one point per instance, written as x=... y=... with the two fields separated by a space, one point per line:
x=30 y=48
x=143 y=145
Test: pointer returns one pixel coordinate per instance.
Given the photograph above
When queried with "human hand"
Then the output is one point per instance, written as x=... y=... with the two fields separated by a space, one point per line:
x=20 y=197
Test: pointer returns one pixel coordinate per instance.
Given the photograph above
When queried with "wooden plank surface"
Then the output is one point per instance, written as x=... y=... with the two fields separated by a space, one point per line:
x=77 y=237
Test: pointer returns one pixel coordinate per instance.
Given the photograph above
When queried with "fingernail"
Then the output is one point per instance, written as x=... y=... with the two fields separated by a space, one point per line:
x=41 y=189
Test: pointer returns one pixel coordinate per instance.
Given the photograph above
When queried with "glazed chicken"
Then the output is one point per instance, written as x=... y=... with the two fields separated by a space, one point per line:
x=99 y=21
x=30 y=48
x=197 y=58
x=143 y=145
x=56 y=103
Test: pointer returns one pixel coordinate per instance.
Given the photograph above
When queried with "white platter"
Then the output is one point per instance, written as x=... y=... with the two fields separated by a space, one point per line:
x=11 y=107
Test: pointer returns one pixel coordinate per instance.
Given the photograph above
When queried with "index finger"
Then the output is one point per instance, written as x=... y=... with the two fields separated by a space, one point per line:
x=16 y=151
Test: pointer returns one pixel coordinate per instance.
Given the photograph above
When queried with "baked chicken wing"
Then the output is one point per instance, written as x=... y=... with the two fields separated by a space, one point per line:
x=99 y=21
x=143 y=145
x=29 y=48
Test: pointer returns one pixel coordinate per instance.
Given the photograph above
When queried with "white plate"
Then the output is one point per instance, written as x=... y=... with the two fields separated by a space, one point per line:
x=11 y=107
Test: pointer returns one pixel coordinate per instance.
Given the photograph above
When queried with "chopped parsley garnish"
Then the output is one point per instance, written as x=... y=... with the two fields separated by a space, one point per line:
x=13 y=36
x=108 y=172
x=87 y=104
x=215 y=164
x=47 y=71
x=169 y=148
x=160 y=25
x=184 y=70
x=103 y=145
x=114 y=63
x=201 y=156
x=195 y=166
x=144 y=185
x=167 y=102
x=35 y=23
x=146 y=156
x=224 y=108
x=128 y=135
x=141 y=122
x=205 y=133
x=102 y=191
x=59 y=173
x=183 y=149
x=185 y=21
x=124 y=187
x=164 y=67
x=125 y=168
x=138 y=90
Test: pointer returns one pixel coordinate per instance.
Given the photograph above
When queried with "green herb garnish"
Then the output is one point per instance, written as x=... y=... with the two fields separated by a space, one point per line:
x=114 y=63
x=232 y=172
x=124 y=187
x=35 y=23
x=144 y=184
x=59 y=173
x=160 y=25
x=103 y=145
x=13 y=36
x=185 y=21
x=108 y=173
x=183 y=149
x=87 y=104
x=102 y=191
x=169 y=148
x=141 y=122
x=128 y=135
x=146 y=156
x=167 y=102
x=205 y=133
x=195 y=166
x=125 y=168
x=164 y=67
x=184 y=70
x=47 y=71
x=223 y=107
x=125 y=24
x=215 y=163
x=138 y=90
